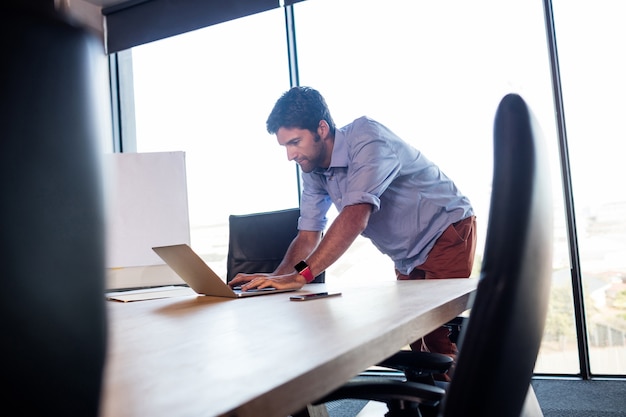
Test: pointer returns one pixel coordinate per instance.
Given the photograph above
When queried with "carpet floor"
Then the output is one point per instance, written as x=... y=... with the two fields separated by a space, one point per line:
x=557 y=398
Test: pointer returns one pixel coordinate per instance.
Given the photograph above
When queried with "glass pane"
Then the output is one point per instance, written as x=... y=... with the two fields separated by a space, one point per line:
x=434 y=72
x=208 y=93
x=592 y=54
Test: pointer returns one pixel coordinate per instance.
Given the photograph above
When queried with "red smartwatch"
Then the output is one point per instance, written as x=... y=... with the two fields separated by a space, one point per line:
x=304 y=270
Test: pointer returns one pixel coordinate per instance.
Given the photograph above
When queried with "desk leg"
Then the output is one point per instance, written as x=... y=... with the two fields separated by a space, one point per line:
x=313 y=411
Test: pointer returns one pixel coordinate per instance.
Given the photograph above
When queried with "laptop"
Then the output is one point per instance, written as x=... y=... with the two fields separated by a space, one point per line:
x=200 y=277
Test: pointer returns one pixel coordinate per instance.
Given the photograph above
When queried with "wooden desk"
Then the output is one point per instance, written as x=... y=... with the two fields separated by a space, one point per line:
x=262 y=356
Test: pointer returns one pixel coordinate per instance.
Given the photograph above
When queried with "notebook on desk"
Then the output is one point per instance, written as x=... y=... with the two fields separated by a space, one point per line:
x=200 y=277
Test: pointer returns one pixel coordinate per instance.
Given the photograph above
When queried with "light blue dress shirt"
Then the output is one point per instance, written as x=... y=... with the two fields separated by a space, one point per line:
x=413 y=201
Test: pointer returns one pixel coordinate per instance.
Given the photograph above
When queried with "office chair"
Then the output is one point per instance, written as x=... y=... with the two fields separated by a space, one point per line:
x=51 y=217
x=257 y=242
x=500 y=343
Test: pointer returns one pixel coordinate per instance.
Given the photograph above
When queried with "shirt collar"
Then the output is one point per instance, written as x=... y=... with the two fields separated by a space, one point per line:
x=339 y=157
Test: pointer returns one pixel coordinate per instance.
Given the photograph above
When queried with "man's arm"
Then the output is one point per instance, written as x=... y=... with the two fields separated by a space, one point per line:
x=348 y=225
x=301 y=247
x=344 y=230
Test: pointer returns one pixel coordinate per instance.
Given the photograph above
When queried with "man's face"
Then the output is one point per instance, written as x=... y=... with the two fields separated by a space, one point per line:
x=305 y=147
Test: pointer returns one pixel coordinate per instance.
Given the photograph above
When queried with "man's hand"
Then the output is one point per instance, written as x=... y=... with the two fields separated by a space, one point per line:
x=250 y=281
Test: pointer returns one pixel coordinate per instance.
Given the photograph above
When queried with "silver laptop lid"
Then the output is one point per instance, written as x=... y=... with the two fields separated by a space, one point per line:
x=199 y=276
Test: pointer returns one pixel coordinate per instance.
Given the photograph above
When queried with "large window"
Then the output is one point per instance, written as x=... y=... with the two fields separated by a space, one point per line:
x=434 y=73
x=208 y=93
x=593 y=64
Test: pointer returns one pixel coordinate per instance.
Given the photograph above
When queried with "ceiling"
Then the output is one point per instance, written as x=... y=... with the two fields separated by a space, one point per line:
x=123 y=24
x=107 y=3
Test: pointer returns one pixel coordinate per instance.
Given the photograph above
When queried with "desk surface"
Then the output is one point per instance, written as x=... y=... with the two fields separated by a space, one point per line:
x=262 y=356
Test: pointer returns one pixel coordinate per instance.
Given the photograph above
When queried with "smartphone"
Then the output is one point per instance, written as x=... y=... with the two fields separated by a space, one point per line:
x=313 y=296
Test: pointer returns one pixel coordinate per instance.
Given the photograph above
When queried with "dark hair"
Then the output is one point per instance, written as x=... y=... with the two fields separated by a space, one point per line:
x=302 y=108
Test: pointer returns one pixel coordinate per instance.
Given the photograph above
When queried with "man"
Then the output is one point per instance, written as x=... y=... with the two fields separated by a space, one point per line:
x=383 y=189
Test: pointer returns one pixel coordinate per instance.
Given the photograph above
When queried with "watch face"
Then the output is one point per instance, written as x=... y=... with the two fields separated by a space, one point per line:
x=300 y=266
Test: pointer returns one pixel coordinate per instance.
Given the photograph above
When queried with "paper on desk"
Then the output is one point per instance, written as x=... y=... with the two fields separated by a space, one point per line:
x=149 y=294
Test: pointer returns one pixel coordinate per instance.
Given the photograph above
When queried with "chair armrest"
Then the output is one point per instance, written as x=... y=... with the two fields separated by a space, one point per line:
x=418 y=363
x=385 y=390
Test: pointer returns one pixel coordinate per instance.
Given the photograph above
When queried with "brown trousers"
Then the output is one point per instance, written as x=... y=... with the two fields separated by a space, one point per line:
x=451 y=257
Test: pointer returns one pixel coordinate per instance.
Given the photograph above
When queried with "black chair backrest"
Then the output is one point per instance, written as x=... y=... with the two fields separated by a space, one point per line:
x=500 y=343
x=52 y=215
x=258 y=241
